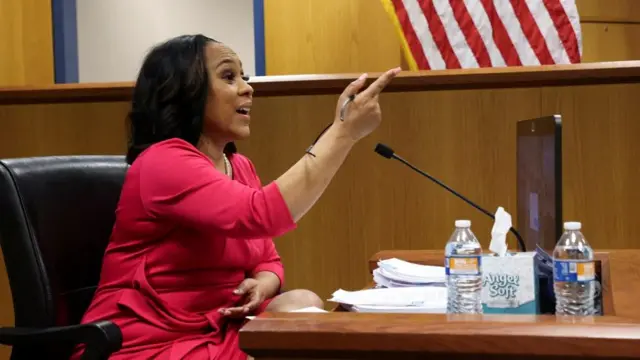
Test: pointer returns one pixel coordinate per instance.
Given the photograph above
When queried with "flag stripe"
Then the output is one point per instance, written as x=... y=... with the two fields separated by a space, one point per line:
x=531 y=31
x=501 y=35
x=439 y=34
x=468 y=28
x=548 y=31
x=483 y=25
x=571 y=10
x=450 y=34
x=419 y=22
x=564 y=29
x=518 y=37
x=457 y=40
x=412 y=38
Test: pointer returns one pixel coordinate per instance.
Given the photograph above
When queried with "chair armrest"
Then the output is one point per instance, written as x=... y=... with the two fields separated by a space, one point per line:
x=101 y=339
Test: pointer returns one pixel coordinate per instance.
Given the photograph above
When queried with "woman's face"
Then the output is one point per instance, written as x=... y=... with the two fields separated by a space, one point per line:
x=228 y=105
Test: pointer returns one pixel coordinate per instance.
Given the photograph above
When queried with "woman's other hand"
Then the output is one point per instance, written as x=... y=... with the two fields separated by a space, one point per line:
x=252 y=295
x=362 y=115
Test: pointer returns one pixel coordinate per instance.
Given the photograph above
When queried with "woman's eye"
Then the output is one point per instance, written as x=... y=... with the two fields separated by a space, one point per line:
x=228 y=76
x=245 y=77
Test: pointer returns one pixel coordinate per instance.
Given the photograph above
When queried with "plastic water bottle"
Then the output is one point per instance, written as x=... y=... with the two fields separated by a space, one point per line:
x=463 y=264
x=573 y=273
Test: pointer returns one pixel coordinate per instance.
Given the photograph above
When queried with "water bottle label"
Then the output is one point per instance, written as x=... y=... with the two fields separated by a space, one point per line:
x=463 y=265
x=573 y=270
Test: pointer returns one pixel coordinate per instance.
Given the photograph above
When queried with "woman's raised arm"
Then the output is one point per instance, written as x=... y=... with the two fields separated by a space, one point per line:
x=304 y=182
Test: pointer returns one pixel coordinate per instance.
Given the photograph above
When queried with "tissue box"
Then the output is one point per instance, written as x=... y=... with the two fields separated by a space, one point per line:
x=510 y=284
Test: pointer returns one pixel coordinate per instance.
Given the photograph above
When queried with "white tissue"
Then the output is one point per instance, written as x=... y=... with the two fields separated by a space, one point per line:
x=499 y=232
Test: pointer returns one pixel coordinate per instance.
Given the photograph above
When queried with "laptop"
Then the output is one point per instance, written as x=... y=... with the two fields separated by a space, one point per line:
x=539 y=181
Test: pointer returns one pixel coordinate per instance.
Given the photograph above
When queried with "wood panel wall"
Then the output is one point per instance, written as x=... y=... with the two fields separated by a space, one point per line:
x=611 y=29
x=464 y=137
x=328 y=36
x=26 y=43
x=335 y=36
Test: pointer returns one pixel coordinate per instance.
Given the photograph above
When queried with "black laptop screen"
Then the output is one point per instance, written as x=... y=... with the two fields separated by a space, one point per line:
x=539 y=181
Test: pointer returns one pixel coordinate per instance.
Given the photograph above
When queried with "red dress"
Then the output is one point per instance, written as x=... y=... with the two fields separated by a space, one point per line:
x=185 y=236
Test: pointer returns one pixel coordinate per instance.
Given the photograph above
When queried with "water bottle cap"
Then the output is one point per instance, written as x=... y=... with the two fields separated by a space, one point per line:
x=463 y=223
x=572 y=225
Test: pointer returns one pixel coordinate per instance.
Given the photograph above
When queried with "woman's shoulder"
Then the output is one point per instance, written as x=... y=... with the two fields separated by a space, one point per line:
x=239 y=158
x=172 y=149
x=242 y=163
x=173 y=145
x=172 y=158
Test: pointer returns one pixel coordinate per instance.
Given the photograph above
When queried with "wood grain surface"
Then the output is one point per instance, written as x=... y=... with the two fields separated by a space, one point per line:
x=438 y=336
x=290 y=85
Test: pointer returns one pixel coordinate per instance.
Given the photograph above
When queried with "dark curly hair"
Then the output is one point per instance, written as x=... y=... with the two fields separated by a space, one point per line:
x=170 y=95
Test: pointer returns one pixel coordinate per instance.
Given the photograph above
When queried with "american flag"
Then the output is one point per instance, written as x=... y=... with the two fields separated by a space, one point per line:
x=453 y=34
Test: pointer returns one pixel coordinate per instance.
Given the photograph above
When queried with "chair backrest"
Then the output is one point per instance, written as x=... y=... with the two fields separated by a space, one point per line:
x=56 y=216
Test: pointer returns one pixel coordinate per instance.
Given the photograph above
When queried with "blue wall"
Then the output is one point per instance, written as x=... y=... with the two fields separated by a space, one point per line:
x=258 y=30
x=65 y=41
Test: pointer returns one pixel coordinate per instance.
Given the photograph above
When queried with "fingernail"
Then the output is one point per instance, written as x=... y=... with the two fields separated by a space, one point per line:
x=237 y=291
x=362 y=76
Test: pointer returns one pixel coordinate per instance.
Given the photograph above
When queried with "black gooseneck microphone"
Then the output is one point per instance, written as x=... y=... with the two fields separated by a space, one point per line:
x=385 y=151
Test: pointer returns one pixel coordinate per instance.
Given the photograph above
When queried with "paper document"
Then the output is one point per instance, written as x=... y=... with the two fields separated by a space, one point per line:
x=399 y=273
x=423 y=296
x=404 y=270
x=400 y=309
x=311 y=309
x=384 y=279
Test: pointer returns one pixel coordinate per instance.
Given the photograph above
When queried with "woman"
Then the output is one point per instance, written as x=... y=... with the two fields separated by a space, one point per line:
x=191 y=255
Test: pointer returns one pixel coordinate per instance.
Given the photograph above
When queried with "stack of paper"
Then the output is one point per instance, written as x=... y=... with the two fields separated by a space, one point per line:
x=393 y=273
x=311 y=309
x=422 y=299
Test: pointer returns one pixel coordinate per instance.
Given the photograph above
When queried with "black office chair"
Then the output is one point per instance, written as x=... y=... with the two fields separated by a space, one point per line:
x=56 y=215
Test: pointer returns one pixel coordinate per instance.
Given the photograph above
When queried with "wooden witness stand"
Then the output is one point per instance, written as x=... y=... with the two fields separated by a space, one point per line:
x=426 y=113
x=344 y=335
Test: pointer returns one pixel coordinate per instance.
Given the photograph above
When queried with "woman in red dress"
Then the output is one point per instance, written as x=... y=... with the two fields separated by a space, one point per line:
x=191 y=255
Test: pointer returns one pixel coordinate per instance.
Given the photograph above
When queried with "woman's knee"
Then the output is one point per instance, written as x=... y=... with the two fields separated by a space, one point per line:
x=294 y=300
x=305 y=298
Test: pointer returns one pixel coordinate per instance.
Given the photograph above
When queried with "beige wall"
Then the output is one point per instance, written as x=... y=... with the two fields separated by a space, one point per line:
x=114 y=35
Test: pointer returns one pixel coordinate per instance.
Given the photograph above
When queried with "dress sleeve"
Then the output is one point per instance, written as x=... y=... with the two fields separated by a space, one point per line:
x=271 y=259
x=178 y=183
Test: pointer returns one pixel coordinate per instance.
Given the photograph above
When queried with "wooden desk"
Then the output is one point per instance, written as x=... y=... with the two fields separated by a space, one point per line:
x=402 y=336
x=344 y=335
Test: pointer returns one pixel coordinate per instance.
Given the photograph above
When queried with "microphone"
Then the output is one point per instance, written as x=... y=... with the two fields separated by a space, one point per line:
x=386 y=152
